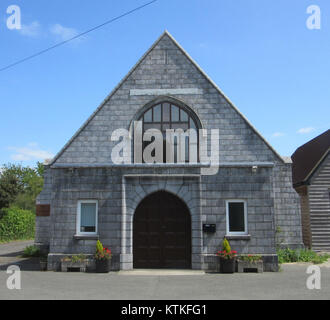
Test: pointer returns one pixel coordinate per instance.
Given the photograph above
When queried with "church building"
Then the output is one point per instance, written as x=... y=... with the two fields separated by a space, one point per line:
x=163 y=205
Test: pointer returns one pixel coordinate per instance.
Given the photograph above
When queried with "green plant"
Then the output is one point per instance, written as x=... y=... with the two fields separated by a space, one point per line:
x=19 y=186
x=102 y=253
x=251 y=258
x=31 y=251
x=99 y=246
x=226 y=252
x=75 y=258
x=288 y=255
x=226 y=246
x=16 y=224
x=78 y=258
x=279 y=237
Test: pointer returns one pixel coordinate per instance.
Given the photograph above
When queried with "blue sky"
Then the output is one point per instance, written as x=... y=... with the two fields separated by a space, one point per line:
x=260 y=53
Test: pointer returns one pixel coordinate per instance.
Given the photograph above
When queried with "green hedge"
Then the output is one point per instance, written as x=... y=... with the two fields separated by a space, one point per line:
x=16 y=224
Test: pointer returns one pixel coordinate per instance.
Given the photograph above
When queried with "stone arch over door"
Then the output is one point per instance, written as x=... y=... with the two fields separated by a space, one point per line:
x=138 y=187
x=162 y=233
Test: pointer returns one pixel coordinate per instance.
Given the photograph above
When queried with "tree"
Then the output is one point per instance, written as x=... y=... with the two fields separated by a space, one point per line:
x=10 y=187
x=19 y=186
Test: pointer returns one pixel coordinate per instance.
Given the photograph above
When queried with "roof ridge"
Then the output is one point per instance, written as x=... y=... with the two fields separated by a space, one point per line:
x=108 y=97
x=165 y=33
x=228 y=100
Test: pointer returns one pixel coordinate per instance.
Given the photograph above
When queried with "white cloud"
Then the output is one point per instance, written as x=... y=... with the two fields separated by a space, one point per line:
x=31 y=152
x=63 y=33
x=31 y=30
x=306 y=130
x=278 y=134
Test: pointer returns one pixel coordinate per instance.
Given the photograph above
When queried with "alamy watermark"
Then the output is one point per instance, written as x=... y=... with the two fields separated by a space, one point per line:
x=314 y=280
x=172 y=146
x=314 y=20
x=14 y=19
x=14 y=280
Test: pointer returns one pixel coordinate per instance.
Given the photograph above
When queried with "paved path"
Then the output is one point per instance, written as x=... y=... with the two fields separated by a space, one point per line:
x=288 y=284
x=14 y=248
x=11 y=253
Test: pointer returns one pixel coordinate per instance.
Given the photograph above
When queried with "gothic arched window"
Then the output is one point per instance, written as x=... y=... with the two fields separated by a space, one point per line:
x=166 y=115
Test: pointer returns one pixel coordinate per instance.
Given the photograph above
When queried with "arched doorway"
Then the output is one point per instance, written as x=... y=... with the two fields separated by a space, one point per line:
x=162 y=233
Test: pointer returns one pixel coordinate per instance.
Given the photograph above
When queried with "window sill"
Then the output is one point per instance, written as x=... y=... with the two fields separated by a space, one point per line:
x=86 y=237
x=239 y=237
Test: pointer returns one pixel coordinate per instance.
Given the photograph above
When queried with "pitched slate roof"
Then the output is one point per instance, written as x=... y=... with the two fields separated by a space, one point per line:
x=308 y=157
x=166 y=33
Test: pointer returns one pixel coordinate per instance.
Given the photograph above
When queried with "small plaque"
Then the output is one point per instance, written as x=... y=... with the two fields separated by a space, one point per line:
x=209 y=228
x=43 y=210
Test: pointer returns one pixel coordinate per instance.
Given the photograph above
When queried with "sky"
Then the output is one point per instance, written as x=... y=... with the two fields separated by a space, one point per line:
x=260 y=53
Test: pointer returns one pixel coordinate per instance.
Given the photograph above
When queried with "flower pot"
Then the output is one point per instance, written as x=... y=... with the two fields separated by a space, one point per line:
x=227 y=265
x=102 y=266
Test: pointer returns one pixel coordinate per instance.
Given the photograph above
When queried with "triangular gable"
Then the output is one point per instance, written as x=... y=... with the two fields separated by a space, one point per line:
x=309 y=156
x=166 y=33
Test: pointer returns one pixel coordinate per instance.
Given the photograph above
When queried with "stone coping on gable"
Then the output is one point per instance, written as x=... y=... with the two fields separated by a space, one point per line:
x=161 y=165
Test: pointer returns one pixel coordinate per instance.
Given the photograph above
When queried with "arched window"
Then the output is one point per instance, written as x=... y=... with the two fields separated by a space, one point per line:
x=167 y=115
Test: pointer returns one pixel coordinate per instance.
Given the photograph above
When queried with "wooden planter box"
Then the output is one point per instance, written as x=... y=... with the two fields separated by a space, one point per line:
x=67 y=266
x=246 y=266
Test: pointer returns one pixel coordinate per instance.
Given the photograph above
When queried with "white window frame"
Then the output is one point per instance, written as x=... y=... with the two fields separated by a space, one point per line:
x=233 y=233
x=78 y=226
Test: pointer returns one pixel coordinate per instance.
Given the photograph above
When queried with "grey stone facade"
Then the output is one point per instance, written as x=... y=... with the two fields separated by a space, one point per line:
x=83 y=170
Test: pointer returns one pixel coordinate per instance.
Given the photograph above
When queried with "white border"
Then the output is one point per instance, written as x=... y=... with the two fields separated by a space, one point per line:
x=246 y=231
x=78 y=232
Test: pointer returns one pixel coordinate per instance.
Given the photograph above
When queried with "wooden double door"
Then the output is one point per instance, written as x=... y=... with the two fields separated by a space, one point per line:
x=162 y=233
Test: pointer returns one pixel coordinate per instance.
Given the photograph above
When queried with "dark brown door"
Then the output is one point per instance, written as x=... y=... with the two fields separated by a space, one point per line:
x=162 y=233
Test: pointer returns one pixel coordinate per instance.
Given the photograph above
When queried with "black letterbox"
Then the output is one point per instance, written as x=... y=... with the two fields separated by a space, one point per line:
x=209 y=228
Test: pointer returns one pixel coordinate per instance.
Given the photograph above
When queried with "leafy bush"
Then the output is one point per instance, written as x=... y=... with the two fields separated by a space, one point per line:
x=301 y=255
x=16 y=224
x=31 y=251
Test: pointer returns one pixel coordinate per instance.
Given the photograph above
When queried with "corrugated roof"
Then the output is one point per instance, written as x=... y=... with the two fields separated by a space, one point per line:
x=307 y=158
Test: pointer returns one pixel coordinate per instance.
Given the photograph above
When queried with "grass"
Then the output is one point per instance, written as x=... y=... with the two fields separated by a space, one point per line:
x=13 y=241
x=301 y=255
x=31 y=252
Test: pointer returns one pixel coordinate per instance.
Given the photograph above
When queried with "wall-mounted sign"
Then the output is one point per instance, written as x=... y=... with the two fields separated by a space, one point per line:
x=43 y=210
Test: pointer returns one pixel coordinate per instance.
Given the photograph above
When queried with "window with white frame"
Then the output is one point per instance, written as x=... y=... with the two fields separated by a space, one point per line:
x=236 y=212
x=87 y=217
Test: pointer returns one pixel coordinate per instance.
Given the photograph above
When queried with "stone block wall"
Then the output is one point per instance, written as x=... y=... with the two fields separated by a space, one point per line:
x=119 y=191
x=287 y=208
x=270 y=198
